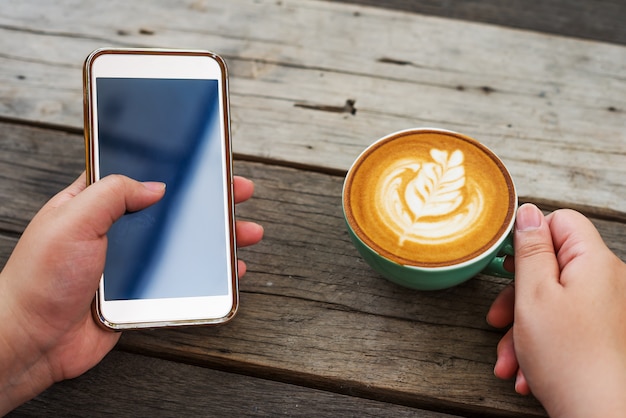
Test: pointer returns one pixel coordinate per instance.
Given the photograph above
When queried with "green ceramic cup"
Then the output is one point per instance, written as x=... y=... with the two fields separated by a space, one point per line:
x=442 y=179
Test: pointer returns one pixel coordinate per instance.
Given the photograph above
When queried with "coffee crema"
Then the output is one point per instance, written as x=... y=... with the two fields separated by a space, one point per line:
x=428 y=198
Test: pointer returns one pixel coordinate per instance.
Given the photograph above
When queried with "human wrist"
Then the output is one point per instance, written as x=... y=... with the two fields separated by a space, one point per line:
x=597 y=391
x=24 y=372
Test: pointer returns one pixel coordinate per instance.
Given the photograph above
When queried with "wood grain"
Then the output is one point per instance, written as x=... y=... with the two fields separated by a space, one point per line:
x=312 y=312
x=600 y=20
x=132 y=385
x=35 y=163
x=305 y=291
x=312 y=84
x=315 y=82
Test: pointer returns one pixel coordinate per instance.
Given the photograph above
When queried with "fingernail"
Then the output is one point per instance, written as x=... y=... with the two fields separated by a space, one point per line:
x=495 y=367
x=154 y=186
x=520 y=383
x=529 y=217
x=260 y=229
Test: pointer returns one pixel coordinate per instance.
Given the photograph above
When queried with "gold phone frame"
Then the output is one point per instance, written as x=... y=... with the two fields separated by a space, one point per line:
x=89 y=110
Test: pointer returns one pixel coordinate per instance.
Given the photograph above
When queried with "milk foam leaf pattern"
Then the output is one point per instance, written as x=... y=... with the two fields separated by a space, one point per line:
x=396 y=187
x=437 y=188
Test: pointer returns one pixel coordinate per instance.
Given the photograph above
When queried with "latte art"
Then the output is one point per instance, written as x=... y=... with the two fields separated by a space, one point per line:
x=428 y=201
x=428 y=198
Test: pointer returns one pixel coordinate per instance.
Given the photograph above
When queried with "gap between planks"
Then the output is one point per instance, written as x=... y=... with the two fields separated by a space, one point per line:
x=544 y=204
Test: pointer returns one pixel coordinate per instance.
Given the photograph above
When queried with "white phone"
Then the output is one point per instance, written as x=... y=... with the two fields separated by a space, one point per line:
x=163 y=115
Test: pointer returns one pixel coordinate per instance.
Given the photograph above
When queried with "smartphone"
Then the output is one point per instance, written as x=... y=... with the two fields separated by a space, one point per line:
x=163 y=115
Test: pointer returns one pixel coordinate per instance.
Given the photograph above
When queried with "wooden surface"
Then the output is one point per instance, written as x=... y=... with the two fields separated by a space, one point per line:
x=318 y=332
x=598 y=19
x=166 y=388
x=290 y=62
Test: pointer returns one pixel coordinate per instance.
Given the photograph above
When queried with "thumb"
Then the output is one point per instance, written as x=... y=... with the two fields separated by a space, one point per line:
x=105 y=201
x=536 y=264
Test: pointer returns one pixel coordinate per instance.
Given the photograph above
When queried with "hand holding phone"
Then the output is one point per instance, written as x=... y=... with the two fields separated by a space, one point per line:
x=163 y=115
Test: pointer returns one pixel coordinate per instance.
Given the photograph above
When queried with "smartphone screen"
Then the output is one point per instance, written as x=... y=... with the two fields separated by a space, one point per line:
x=168 y=126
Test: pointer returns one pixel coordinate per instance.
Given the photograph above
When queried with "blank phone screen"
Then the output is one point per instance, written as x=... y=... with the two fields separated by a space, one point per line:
x=166 y=130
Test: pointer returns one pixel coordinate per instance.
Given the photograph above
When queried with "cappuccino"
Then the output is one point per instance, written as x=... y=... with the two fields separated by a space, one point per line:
x=429 y=198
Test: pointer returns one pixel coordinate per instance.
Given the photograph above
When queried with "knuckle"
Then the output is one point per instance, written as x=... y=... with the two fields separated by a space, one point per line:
x=116 y=183
x=533 y=249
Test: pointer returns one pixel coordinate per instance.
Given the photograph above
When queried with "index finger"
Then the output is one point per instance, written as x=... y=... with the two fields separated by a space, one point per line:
x=243 y=188
x=576 y=241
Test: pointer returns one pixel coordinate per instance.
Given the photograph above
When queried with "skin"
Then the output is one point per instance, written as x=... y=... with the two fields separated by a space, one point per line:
x=47 y=333
x=567 y=344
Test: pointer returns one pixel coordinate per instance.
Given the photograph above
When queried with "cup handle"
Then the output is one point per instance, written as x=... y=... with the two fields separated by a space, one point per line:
x=496 y=266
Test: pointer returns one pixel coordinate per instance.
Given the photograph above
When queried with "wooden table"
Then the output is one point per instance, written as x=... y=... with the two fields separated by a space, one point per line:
x=312 y=84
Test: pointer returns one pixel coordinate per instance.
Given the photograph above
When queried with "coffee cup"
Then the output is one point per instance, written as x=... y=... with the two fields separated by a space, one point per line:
x=430 y=208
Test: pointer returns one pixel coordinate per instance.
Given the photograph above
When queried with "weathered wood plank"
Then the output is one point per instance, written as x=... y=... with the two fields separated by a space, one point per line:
x=305 y=291
x=535 y=99
x=34 y=164
x=408 y=343
x=132 y=385
x=601 y=20
x=7 y=243
x=328 y=346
